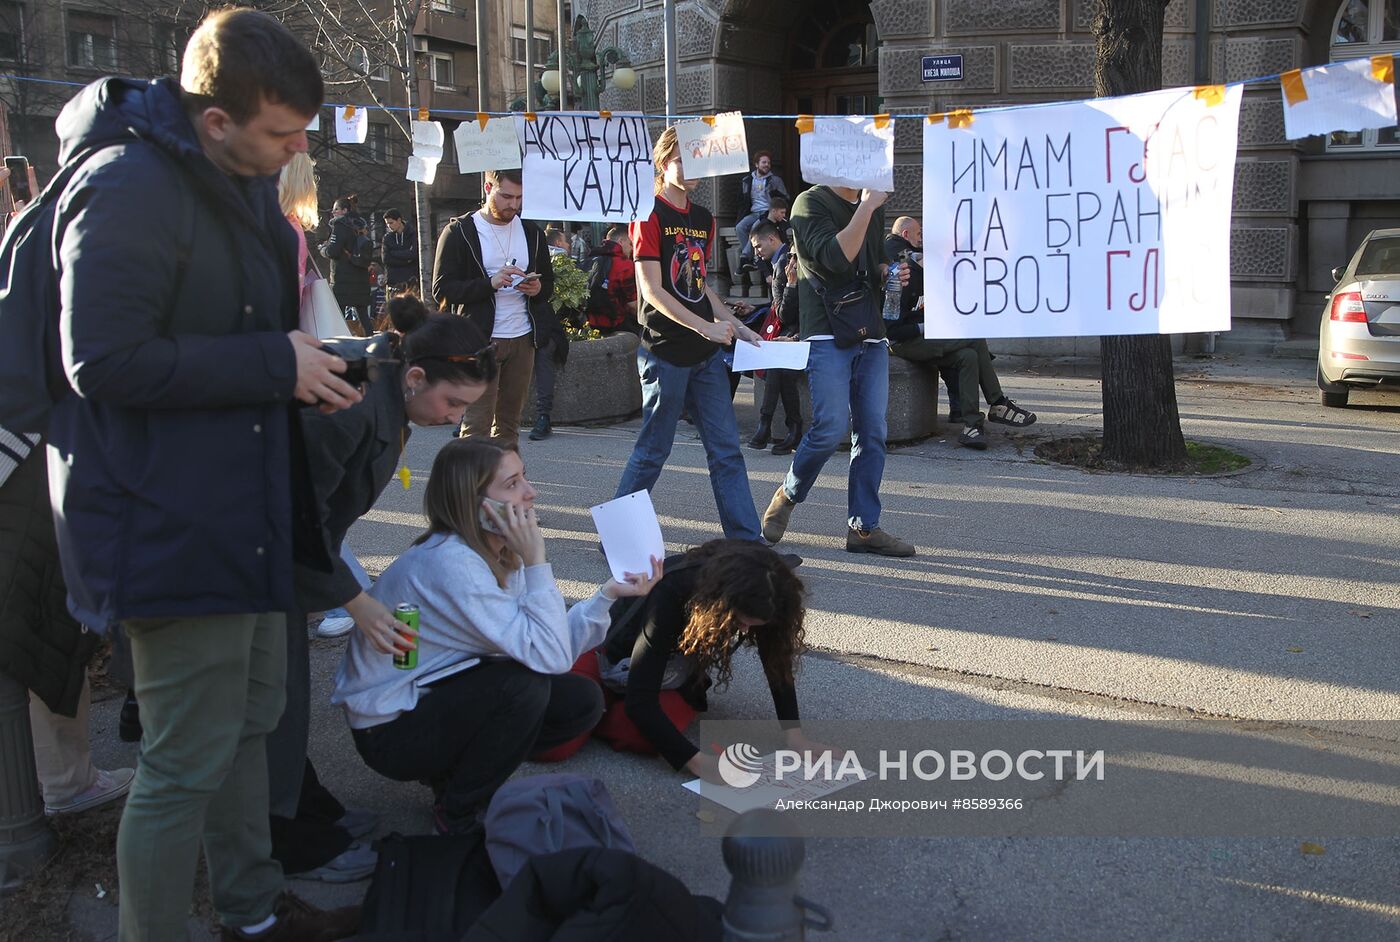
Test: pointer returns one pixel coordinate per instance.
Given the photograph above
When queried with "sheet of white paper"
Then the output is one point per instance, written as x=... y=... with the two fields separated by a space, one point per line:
x=421 y=169
x=315 y=124
x=494 y=147
x=769 y=789
x=427 y=139
x=771 y=355
x=713 y=150
x=1343 y=96
x=351 y=128
x=849 y=151
x=630 y=532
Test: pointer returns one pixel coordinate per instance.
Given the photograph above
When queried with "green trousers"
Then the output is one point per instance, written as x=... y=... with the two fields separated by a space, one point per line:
x=970 y=360
x=211 y=688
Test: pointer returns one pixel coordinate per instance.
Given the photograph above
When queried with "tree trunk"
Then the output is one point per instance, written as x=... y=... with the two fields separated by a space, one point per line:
x=1141 y=424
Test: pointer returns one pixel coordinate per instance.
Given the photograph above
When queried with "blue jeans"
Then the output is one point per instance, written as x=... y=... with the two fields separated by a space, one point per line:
x=703 y=391
x=741 y=230
x=854 y=382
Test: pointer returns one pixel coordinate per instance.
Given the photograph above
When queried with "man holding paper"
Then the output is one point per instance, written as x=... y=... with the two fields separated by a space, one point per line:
x=840 y=252
x=685 y=325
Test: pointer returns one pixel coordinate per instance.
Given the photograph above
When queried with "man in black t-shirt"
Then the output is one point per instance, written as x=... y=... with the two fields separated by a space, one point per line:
x=684 y=327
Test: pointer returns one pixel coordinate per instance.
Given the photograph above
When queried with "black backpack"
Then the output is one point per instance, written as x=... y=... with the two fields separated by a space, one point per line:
x=32 y=379
x=601 y=311
x=428 y=888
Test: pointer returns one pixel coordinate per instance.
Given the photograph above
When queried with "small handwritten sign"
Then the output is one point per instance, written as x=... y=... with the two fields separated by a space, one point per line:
x=713 y=150
x=849 y=151
x=493 y=147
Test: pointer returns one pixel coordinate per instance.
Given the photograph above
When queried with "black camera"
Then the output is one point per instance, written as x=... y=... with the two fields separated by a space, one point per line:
x=363 y=356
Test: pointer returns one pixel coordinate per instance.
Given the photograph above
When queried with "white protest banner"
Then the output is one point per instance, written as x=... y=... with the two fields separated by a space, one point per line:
x=1081 y=219
x=713 y=147
x=853 y=151
x=1343 y=96
x=351 y=125
x=486 y=146
x=586 y=166
x=427 y=151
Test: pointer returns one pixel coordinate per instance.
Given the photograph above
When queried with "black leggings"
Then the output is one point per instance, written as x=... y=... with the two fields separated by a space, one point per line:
x=468 y=734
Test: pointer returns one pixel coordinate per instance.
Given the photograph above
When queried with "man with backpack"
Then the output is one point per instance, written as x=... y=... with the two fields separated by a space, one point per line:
x=612 y=284
x=175 y=470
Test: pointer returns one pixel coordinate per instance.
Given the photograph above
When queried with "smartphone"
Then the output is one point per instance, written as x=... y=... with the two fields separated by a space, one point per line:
x=19 y=179
x=521 y=279
x=484 y=518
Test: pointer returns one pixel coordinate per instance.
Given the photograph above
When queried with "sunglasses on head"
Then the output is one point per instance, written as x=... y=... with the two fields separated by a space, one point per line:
x=484 y=353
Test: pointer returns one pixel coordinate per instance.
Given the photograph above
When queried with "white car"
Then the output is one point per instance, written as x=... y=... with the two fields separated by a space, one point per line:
x=1359 y=343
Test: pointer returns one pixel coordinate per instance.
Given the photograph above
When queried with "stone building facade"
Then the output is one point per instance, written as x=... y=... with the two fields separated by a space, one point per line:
x=1300 y=207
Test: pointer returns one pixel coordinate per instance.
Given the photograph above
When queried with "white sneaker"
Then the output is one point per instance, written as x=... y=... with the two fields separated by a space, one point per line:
x=108 y=786
x=335 y=627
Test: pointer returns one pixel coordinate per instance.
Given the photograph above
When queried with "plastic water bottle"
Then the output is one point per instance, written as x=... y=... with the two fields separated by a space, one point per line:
x=893 y=291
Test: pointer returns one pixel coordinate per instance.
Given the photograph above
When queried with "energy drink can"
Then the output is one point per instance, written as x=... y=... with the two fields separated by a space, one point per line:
x=407 y=613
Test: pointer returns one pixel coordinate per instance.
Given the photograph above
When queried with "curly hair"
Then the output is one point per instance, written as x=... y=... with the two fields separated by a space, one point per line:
x=741 y=578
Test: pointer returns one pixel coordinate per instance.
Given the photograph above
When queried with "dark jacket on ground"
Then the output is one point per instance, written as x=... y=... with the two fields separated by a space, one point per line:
x=597 y=895
x=350 y=254
x=400 y=255
x=910 y=325
x=353 y=455
x=461 y=281
x=41 y=646
x=172 y=468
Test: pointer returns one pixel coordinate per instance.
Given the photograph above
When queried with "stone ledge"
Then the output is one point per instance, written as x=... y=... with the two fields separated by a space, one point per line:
x=599 y=384
x=913 y=408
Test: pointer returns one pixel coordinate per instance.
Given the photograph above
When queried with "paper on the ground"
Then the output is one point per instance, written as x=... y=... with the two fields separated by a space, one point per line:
x=849 y=151
x=771 y=355
x=494 y=147
x=630 y=532
x=713 y=149
x=769 y=789
x=427 y=151
x=351 y=124
x=1343 y=96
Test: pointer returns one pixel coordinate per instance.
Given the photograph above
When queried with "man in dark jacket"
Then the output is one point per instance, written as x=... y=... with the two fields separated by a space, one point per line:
x=756 y=192
x=493 y=267
x=351 y=253
x=172 y=469
x=400 y=253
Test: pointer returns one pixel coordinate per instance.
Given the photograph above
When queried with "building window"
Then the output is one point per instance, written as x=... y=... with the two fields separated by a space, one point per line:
x=11 y=32
x=366 y=66
x=1365 y=28
x=443 y=6
x=168 y=47
x=92 y=41
x=377 y=140
x=442 y=69
x=544 y=44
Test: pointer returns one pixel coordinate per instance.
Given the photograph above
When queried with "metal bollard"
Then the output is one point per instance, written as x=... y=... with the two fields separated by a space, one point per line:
x=763 y=854
x=26 y=840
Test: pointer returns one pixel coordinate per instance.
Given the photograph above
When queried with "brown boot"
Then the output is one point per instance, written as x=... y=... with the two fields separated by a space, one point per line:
x=776 y=517
x=299 y=921
x=876 y=541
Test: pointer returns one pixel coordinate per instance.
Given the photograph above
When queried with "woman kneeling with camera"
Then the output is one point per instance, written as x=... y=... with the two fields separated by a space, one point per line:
x=484 y=591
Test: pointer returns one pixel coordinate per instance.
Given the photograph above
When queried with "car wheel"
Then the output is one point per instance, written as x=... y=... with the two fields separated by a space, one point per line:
x=1334 y=395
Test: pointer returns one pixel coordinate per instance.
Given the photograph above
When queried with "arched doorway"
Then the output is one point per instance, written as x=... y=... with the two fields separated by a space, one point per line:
x=830 y=68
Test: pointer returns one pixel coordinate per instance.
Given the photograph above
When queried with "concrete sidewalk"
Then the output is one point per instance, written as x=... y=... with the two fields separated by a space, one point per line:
x=1038 y=590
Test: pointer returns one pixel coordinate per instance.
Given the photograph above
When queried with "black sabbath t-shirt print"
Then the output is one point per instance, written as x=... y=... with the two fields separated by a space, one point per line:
x=688 y=268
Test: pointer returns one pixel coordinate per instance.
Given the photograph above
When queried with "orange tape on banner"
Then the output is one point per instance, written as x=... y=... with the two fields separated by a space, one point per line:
x=605 y=114
x=937 y=118
x=882 y=121
x=1383 y=68
x=1294 y=91
x=959 y=118
x=529 y=116
x=804 y=124
x=1212 y=95
x=709 y=119
x=423 y=114
x=481 y=119
x=349 y=112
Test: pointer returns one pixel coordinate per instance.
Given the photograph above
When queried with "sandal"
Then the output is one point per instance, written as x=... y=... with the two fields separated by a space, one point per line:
x=1008 y=413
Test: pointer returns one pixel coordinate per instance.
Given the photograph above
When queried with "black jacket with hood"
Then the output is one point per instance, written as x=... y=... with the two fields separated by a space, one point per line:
x=460 y=279
x=172 y=468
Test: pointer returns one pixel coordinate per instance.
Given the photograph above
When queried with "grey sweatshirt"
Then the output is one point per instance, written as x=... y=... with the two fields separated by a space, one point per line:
x=463 y=613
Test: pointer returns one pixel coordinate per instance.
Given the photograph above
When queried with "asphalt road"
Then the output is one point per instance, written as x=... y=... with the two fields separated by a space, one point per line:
x=1039 y=590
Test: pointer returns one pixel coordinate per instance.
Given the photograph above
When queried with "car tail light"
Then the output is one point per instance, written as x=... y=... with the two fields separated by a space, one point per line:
x=1348 y=307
